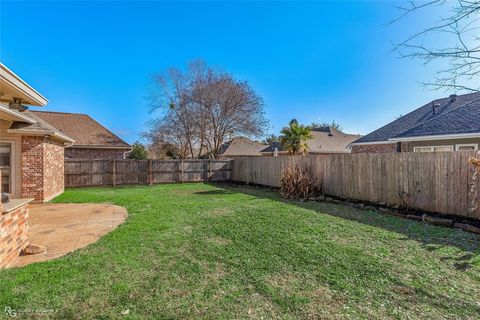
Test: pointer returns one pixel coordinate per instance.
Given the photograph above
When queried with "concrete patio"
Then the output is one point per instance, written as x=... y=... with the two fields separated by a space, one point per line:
x=63 y=228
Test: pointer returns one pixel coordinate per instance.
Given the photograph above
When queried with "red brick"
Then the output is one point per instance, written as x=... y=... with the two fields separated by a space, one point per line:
x=378 y=148
x=73 y=153
x=42 y=168
x=15 y=229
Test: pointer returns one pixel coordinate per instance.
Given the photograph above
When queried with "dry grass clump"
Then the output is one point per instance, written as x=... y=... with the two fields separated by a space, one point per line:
x=299 y=184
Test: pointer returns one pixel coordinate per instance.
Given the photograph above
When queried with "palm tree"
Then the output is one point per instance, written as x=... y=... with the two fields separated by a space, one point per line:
x=294 y=137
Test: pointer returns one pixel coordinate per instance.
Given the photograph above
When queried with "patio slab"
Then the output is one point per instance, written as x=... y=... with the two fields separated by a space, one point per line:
x=65 y=227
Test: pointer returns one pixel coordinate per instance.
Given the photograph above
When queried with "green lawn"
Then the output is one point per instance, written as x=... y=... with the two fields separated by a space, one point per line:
x=225 y=251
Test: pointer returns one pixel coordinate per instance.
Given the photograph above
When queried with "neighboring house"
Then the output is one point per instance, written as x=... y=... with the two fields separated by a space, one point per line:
x=325 y=140
x=446 y=124
x=92 y=140
x=241 y=147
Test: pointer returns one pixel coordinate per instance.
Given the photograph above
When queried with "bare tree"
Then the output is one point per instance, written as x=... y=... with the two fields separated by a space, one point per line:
x=178 y=126
x=162 y=131
x=201 y=108
x=333 y=124
x=162 y=150
x=229 y=108
x=459 y=50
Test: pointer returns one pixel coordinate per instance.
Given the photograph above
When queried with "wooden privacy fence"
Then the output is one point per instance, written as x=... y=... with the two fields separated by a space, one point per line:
x=437 y=182
x=82 y=173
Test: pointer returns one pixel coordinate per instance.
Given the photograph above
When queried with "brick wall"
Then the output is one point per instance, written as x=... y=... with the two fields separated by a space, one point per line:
x=73 y=153
x=378 y=148
x=42 y=168
x=13 y=235
x=32 y=167
x=54 y=169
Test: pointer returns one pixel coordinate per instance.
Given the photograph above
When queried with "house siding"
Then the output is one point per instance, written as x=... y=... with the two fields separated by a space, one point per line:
x=409 y=146
x=449 y=142
x=72 y=153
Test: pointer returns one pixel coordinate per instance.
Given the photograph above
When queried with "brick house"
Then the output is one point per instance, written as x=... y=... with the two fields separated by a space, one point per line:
x=31 y=150
x=31 y=161
x=448 y=124
x=92 y=141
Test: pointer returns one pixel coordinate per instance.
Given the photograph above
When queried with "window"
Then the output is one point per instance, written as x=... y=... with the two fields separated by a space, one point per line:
x=467 y=147
x=422 y=149
x=433 y=149
x=442 y=148
x=5 y=166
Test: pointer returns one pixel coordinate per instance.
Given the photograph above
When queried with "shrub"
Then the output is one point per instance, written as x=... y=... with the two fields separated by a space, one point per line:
x=299 y=184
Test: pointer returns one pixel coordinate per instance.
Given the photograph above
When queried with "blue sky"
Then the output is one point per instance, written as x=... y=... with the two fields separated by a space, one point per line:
x=314 y=61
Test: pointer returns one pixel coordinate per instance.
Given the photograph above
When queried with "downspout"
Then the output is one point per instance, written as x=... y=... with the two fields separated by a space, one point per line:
x=126 y=152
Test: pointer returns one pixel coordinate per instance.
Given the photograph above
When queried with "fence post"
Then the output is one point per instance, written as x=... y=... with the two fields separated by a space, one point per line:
x=113 y=173
x=209 y=172
x=181 y=170
x=150 y=174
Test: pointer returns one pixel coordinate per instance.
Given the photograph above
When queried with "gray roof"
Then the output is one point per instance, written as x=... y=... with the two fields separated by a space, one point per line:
x=324 y=140
x=271 y=148
x=241 y=146
x=451 y=115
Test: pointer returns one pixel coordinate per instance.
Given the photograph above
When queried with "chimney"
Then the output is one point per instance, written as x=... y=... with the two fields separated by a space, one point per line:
x=453 y=97
x=434 y=107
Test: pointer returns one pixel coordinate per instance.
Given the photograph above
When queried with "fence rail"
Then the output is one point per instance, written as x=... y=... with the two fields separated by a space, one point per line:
x=437 y=182
x=82 y=173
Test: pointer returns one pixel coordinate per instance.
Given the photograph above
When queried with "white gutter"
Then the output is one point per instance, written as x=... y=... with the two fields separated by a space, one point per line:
x=14 y=81
x=86 y=146
x=437 y=137
x=371 y=143
x=57 y=135
x=64 y=137
x=17 y=115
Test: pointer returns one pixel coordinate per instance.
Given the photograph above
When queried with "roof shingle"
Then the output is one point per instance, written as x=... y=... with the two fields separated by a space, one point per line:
x=82 y=128
x=241 y=146
x=451 y=115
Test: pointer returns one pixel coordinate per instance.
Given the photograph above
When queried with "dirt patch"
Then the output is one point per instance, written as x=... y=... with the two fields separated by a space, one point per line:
x=321 y=301
x=217 y=273
x=181 y=192
x=218 y=212
x=188 y=229
x=219 y=240
x=260 y=307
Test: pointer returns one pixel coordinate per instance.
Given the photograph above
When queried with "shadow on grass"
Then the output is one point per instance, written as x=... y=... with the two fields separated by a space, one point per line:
x=432 y=238
x=214 y=192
